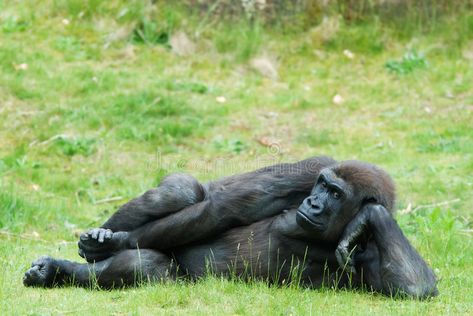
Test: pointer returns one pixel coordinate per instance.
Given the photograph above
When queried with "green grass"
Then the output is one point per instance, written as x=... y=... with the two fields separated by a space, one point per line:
x=90 y=110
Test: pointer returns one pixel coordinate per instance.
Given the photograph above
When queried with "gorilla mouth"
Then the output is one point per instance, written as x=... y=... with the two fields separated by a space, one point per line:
x=304 y=221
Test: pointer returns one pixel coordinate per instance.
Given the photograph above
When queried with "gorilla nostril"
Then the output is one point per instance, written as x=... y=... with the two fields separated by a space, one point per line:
x=314 y=203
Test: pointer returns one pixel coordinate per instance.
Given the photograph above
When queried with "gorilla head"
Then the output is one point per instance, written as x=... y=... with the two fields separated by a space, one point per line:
x=339 y=193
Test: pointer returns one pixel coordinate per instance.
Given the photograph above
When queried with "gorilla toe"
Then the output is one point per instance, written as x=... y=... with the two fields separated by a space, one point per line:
x=43 y=273
x=99 y=244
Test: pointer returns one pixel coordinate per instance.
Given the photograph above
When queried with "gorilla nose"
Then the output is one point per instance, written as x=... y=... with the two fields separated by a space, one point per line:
x=315 y=206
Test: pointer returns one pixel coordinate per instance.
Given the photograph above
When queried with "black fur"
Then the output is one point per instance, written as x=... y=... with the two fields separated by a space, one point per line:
x=338 y=232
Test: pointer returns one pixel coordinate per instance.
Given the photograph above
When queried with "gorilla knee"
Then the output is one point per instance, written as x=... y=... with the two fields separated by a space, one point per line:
x=181 y=189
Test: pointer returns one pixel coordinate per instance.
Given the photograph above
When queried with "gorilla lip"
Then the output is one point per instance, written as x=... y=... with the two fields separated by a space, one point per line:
x=307 y=219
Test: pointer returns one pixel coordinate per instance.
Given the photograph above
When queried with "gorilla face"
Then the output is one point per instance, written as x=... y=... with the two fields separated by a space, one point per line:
x=330 y=206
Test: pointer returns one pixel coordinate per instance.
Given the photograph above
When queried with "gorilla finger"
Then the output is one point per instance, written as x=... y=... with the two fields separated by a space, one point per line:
x=350 y=262
x=39 y=262
x=342 y=256
x=108 y=234
x=28 y=278
x=101 y=235
x=95 y=233
x=339 y=258
x=81 y=253
x=342 y=249
x=33 y=268
x=84 y=236
x=348 y=266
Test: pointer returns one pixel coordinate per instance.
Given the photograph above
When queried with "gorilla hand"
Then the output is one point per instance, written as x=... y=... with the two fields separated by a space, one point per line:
x=354 y=239
x=100 y=243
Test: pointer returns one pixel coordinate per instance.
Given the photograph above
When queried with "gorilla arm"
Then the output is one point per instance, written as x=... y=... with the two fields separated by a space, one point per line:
x=181 y=211
x=388 y=263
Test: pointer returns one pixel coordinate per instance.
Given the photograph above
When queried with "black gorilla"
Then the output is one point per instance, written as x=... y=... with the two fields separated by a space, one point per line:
x=273 y=224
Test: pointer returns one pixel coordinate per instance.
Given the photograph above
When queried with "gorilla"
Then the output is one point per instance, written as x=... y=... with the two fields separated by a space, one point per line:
x=317 y=222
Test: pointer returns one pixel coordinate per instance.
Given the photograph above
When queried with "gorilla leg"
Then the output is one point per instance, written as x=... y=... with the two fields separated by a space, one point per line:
x=129 y=267
x=229 y=202
x=175 y=192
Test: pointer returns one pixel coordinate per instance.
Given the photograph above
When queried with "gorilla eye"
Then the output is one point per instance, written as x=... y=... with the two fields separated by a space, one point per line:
x=336 y=195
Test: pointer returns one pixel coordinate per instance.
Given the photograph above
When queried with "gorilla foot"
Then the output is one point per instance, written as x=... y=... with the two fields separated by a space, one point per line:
x=100 y=243
x=44 y=272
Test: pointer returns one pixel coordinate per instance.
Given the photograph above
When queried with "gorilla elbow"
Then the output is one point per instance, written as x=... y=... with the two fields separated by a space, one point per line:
x=422 y=291
x=426 y=287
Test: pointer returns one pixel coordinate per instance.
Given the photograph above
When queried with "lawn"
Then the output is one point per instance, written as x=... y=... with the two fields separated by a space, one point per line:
x=98 y=101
